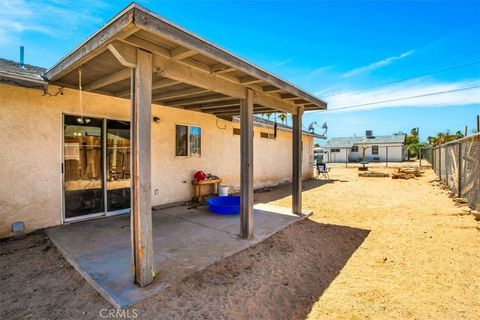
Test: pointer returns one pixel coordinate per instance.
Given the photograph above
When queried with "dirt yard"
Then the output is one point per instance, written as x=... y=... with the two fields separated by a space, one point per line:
x=374 y=248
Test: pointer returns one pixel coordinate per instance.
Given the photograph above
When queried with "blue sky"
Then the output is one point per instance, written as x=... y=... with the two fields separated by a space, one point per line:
x=324 y=47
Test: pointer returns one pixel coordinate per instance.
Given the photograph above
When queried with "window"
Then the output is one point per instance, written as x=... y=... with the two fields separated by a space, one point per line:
x=334 y=150
x=187 y=141
x=267 y=135
x=195 y=141
x=375 y=150
x=355 y=149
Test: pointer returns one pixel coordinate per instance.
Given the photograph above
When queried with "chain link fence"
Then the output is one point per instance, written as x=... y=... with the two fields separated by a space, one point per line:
x=457 y=165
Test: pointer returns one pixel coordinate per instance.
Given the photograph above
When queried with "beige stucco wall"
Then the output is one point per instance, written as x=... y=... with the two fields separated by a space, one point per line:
x=31 y=152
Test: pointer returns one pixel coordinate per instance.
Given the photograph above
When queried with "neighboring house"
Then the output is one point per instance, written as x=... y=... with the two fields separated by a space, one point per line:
x=377 y=148
x=42 y=136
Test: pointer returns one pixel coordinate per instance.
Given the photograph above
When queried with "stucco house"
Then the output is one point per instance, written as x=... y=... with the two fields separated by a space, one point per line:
x=390 y=148
x=66 y=131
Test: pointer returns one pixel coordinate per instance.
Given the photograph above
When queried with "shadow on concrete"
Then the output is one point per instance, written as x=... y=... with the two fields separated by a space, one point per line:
x=280 y=278
x=184 y=241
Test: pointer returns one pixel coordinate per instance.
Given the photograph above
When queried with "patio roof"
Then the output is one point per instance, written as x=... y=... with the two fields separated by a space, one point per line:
x=188 y=71
x=141 y=56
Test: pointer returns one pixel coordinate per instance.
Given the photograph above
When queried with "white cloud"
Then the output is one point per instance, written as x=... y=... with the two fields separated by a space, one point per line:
x=377 y=65
x=57 y=19
x=408 y=89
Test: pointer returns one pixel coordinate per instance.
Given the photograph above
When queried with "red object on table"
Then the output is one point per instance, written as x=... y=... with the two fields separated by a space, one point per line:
x=200 y=176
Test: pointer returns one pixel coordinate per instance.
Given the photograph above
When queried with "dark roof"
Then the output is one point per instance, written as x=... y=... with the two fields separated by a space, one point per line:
x=348 y=142
x=12 y=68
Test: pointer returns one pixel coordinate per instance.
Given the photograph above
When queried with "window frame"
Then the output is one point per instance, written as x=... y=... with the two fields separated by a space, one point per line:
x=354 y=149
x=377 y=148
x=189 y=153
x=267 y=135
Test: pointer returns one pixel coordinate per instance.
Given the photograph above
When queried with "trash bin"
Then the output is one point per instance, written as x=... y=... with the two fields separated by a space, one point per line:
x=223 y=191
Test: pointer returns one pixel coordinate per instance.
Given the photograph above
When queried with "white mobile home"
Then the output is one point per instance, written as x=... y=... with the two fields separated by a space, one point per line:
x=390 y=148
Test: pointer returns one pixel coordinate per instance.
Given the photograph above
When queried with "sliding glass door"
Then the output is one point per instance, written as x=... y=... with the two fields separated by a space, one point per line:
x=83 y=167
x=96 y=167
x=118 y=165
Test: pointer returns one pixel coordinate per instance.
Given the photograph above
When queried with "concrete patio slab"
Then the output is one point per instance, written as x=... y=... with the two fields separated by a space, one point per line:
x=185 y=241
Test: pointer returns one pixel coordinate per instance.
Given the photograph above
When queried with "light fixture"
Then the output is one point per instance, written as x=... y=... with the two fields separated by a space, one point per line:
x=156 y=119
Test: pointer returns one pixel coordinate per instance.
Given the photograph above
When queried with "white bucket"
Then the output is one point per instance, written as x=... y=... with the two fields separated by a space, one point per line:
x=223 y=191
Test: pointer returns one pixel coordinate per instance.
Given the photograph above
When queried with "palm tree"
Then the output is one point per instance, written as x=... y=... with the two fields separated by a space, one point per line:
x=283 y=117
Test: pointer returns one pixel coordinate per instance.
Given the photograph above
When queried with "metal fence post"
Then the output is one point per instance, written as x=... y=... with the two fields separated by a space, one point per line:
x=419 y=151
x=446 y=165
x=459 y=169
x=440 y=163
x=386 y=156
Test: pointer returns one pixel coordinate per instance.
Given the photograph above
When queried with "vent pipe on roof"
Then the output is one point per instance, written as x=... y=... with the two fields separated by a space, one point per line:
x=21 y=64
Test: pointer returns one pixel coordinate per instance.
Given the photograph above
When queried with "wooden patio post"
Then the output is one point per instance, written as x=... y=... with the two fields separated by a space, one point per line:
x=246 y=166
x=141 y=202
x=297 y=162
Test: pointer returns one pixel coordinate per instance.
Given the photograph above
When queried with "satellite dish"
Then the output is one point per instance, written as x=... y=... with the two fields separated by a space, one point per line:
x=311 y=127
x=324 y=126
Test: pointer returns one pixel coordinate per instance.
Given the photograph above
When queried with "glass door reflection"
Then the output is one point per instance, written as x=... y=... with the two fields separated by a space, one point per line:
x=83 y=167
x=118 y=166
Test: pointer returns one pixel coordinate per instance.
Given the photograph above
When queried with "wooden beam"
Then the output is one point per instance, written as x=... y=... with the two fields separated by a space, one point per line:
x=301 y=102
x=159 y=84
x=273 y=102
x=288 y=96
x=141 y=202
x=249 y=80
x=297 y=162
x=152 y=23
x=180 y=53
x=107 y=80
x=246 y=166
x=271 y=89
x=237 y=109
x=213 y=105
x=198 y=100
x=187 y=74
x=178 y=94
x=221 y=68
x=197 y=65
x=124 y=53
x=147 y=45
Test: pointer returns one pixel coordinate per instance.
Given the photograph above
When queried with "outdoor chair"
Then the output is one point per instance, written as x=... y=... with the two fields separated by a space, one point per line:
x=322 y=171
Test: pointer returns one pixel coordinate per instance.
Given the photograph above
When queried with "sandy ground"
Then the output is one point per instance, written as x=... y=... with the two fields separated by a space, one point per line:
x=375 y=248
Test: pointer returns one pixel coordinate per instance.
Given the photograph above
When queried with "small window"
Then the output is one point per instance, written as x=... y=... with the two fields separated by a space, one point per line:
x=334 y=150
x=236 y=131
x=188 y=141
x=355 y=149
x=375 y=150
x=195 y=141
x=267 y=135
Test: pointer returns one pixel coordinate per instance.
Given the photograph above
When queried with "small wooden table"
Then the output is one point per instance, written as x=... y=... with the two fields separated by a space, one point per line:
x=197 y=187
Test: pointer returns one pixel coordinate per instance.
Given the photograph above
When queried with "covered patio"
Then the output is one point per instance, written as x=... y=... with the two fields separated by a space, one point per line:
x=185 y=240
x=142 y=57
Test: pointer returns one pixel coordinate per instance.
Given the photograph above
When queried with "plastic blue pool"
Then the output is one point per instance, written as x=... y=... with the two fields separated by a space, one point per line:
x=224 y=205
